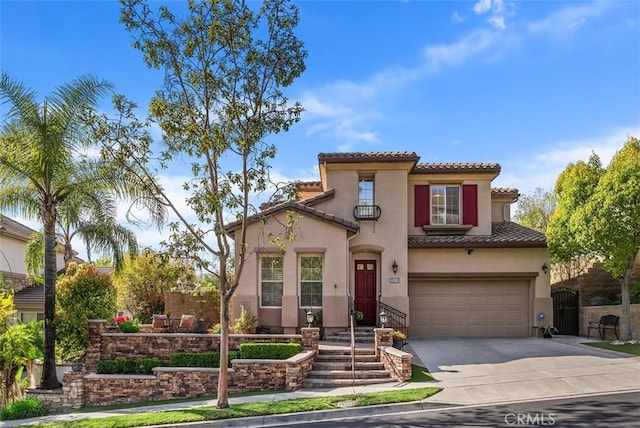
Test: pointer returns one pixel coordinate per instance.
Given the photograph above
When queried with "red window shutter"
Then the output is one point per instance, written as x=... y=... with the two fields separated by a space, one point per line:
x=470 y=204
x=421 y=192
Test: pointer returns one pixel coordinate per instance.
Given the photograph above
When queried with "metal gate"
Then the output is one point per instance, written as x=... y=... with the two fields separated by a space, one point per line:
x=565 y=310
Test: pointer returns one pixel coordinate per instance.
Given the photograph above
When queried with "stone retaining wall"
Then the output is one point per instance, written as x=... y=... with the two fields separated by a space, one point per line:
x=395 y=361
x=91 y=389
x=104 y=344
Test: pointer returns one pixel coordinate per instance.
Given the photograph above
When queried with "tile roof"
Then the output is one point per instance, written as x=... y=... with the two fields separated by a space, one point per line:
x=503 y=234
x=29 y=295
x=304 y=207
x=504 y=191
x=455 y=167
x=310 y=185
x=355 y=157
x=15 y=229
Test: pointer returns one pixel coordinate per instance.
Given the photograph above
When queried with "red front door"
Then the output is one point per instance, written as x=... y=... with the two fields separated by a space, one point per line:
x=366 y=290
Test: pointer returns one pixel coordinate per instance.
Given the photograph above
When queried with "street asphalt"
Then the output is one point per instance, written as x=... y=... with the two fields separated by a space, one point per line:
x=471 y=372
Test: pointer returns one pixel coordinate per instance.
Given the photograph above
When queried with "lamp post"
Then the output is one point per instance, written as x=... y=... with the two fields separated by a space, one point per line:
x=309 y=317
x=383 y=318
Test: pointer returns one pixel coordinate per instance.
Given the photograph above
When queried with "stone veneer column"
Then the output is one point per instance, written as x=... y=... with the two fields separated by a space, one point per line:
x=96 y=329
x=383 y=337
x=310 y=336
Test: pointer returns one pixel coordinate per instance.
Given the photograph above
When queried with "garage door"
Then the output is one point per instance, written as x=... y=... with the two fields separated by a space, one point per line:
x=469 y=308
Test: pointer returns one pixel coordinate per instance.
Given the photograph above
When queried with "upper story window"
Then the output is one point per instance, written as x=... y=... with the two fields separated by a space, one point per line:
x=271 y=276
x=311 y=274
x=445 y=205
x=446 y=208
x=365 y=197
x=366 y=208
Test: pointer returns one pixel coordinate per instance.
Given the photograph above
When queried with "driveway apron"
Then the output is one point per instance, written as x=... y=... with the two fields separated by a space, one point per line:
x=482 y=371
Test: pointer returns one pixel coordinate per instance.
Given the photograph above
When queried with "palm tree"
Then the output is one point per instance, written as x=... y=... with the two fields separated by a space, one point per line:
x=41 y=166
x=92 y=217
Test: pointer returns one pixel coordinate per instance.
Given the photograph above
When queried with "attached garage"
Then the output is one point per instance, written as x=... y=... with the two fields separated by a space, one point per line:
x=469 y=307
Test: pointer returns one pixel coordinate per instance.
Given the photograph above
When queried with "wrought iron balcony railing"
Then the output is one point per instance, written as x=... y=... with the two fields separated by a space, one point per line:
x=367 y=212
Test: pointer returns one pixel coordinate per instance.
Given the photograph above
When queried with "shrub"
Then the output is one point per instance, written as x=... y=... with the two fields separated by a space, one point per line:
x=269 y=351
x=200 y=359
x=129 y=366
x=635 y=294
x=129 y=326
x=29 y=408
x=84 y=293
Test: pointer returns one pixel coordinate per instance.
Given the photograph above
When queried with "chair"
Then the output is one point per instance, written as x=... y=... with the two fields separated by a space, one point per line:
x=160 y=322
x=606 y=322
x=186 y=323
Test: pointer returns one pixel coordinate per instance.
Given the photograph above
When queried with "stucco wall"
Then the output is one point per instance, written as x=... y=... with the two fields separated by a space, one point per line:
x=525 y=263
x=483 y=181
x=312 y=236
x=594 y=313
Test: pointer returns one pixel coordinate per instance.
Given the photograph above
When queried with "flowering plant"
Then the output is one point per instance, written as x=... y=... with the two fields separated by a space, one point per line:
x=122 y=318
x=399 y=335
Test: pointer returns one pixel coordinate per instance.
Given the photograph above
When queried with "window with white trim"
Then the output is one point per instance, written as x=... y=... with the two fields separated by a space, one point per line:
x=445 y=204
x=311 y=274
x=271 y=276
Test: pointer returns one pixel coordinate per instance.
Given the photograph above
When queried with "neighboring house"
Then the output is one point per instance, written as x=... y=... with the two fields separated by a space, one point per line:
x=434 y=241
x=28 y=297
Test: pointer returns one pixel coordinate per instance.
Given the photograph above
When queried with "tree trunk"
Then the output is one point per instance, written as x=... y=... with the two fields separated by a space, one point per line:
x=223 y=378
x=49 y=379
x=625 y=307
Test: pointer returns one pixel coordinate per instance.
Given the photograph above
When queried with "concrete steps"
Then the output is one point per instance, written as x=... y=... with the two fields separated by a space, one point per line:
x=332 y=368
x=361 y=335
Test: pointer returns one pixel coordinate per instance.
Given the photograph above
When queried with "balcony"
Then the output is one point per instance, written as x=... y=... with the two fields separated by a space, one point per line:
x=367 y=212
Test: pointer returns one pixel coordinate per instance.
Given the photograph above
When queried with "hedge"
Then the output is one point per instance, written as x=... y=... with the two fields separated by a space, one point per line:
x=200 y=359
x=129 y=366
x=29 y=408
x=269 y=351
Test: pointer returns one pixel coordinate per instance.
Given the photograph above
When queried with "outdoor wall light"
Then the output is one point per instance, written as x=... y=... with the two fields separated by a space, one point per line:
x=383 y=318
x=469 y=251
x=309 y=317
x=545 y=268
x=394 y=266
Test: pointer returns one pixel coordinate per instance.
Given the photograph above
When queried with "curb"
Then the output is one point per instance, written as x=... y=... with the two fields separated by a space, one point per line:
x=315 y=416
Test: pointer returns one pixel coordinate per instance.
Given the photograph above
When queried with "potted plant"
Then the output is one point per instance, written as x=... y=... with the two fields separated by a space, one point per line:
x=357 y=315
x=398 y=339
x=245 y=323
x=548 y=331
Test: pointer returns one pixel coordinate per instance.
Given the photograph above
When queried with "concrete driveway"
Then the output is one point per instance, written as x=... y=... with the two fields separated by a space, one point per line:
x=482 y=371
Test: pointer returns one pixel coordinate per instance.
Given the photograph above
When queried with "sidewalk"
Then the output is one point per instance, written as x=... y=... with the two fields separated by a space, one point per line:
x=303 y=393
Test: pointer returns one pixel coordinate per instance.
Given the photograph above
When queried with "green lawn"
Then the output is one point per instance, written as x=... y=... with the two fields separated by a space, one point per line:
x=629 y=348
x=420 y=374
x=248 y=409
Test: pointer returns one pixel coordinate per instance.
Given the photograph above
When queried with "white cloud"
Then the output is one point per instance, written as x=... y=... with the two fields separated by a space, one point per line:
x=543 y=169
x=456 y=18
x=498 y=22
x=448 y=55
x=499 y=12
x=568 y=19
x=483 y=6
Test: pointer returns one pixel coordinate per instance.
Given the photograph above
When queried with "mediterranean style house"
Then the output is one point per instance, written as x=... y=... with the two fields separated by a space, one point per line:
x=381 y=232
x=28 y=297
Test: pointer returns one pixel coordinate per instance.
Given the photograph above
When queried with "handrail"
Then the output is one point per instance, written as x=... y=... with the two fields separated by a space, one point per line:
x=396 y=319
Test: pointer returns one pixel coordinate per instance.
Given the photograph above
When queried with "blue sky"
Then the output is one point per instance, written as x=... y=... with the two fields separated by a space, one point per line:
x=531 y=85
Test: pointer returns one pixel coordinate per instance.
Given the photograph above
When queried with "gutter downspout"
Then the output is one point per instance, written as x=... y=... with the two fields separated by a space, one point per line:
x=348 y=273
